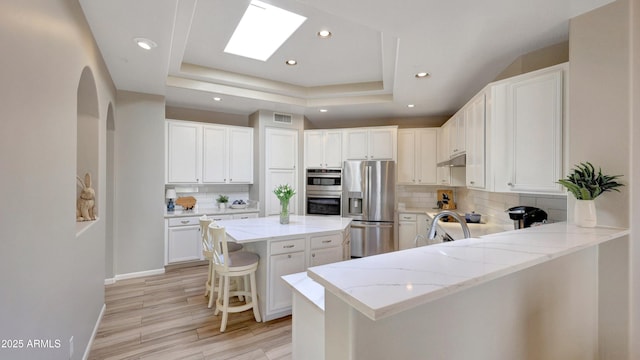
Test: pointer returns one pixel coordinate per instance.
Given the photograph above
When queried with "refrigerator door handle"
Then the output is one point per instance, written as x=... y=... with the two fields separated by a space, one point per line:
x=371 y=224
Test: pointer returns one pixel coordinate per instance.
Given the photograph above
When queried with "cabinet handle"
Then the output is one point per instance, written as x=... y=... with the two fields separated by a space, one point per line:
x=287 y=246
x=230 y=179
x=184 y=221
x=289 y=256
x=326 y=241
x=472 y=182
x=510 y=184
x=313 y=255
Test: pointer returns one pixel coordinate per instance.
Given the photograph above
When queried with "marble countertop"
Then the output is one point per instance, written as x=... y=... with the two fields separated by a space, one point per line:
x=387 y=284
x=308 y=288
x=199 y=211
x=269 y=228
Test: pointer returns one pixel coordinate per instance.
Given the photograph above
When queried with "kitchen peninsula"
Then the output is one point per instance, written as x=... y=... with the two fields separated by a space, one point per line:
x=286 y=249
x=530 y=293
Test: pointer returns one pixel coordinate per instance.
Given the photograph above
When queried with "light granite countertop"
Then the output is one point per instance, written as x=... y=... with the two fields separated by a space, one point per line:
x=387 y=284
x=269 y=228
x=199 y=211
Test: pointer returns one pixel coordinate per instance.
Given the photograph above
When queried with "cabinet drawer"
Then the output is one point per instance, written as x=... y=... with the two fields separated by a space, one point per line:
x=319 y=242
x=287 y=246
x=245 y=216
x=219 y=217
x=184 y=221
x=407 y=217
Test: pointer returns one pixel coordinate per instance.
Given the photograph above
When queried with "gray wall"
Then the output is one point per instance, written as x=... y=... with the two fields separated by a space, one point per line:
x=52 y=280
x=139 y=202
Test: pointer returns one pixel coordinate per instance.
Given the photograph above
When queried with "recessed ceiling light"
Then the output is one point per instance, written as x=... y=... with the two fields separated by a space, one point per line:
x=324 y=34
x=262 y=30
x=411 y=106
x=323 y=110
x=217 y=99
x=421 y=75
x=291 y=62
x=145 y=43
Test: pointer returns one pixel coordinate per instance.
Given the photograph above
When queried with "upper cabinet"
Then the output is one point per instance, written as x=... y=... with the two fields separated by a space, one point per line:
x=526 y=121
x=323 y=148
x=375 y=143
x=456 y=128
x=474 y=114
x=208 y=154
x=417 y=156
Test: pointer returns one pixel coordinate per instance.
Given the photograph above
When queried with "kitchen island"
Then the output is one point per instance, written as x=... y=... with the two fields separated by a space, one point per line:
x=286 y=249
x=530 y=293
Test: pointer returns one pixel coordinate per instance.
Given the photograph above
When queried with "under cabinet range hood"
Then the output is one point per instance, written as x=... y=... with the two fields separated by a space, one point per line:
x=456 y=161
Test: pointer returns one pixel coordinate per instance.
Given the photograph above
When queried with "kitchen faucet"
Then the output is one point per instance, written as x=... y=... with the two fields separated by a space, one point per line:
x=461 y=220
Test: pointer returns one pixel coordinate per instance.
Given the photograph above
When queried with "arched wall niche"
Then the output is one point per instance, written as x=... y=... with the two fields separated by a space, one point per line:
x=87 y=144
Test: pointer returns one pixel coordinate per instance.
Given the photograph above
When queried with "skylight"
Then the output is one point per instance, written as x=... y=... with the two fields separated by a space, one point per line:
x=262 y=30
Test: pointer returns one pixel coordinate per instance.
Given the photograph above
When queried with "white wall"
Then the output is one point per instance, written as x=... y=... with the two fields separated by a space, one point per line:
x=139 y=203
x=52 y=281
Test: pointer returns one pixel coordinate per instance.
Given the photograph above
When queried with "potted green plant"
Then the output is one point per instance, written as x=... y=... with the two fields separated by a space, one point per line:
x=586 y=184
x=222 y=201
x=284 y=193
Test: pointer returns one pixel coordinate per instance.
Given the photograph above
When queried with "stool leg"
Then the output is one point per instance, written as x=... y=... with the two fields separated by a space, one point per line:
x=225 y=305
x=240 y=285
x=219 y=294
x=213 y=287
x=208 y=285
x=254 y=296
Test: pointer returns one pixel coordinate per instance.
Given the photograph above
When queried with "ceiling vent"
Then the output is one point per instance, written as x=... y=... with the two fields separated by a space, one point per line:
x=282 y=119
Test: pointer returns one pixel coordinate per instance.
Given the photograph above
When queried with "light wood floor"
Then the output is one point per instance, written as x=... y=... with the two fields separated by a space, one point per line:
x=166 y=317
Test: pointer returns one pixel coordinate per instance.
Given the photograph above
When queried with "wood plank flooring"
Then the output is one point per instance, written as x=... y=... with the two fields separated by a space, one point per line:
x=166 y=317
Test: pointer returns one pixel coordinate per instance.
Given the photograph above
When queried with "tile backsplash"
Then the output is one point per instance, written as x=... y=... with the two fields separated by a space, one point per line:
x=490 y=205
x=206 y=195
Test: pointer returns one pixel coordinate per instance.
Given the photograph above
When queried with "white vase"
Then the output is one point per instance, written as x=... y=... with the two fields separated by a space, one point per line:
x=222 y=206
x=584 y=214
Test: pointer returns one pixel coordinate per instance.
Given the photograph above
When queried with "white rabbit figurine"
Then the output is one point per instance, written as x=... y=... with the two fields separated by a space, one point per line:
x=86 y=207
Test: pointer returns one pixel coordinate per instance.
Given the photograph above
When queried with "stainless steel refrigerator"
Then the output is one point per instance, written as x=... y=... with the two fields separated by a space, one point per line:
x=368 y=196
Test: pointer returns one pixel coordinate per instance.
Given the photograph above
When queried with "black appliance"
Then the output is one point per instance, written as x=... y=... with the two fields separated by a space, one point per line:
x=525 y=216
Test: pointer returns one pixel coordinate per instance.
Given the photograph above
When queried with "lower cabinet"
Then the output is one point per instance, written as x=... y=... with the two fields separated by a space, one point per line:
x=407 y=231
x=290 y=262
x=325 y=250
x=183 y=241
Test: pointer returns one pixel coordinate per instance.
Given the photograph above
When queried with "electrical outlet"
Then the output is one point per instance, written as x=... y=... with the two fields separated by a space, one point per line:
x=71 y=348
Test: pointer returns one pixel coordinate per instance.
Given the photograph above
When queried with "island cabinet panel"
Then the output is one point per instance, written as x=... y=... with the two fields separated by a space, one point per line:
x=183 y=240
x=326 y=249
x=279 y=265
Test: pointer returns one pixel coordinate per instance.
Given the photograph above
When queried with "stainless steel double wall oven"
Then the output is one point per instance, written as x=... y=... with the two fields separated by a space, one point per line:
x=324 y=192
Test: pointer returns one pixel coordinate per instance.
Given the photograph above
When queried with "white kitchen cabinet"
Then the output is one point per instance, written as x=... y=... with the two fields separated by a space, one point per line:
x=323 y=148
x=286 y=257
x=281 y=159
x=527 y=139
x=183 y=240
x=457 y=133
x=376 y=143
x=474 y=112
x=417 y=156
x=407 y=230
x=325 y=249
x=447 y=176
x=208 y=154
x=183 y=152
x=245 y=216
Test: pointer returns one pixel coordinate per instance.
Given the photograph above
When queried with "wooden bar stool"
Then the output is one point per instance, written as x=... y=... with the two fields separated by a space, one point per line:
x=207 y=250
x=230 y=265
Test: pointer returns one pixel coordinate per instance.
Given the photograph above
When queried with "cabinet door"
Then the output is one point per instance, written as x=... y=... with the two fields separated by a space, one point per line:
x=407 y=156
x=182 y=152
x=273 y=179
x=279 y=265
x=325 y=256
x=356 y=145
x=333 y=149
x=184 y=244
x=214 y=155
x=457 y=133
x=426 y=160
x=382 y=144
x=314 y=149
x=281 y=148
x=240 y=155
x=407 y=232
x=475 y=129
x=534 y=105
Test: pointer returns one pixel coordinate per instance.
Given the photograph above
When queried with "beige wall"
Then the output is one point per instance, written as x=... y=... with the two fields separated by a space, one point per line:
x=538 y=59
x=634 y=253
x=600 y=127
x=179 y=113
x=52 y=280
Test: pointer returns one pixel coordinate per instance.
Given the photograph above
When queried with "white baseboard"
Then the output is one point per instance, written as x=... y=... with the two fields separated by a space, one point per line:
x=109 y=281
x=93 y=333
x=137 y=274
